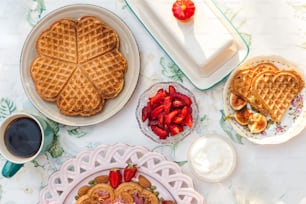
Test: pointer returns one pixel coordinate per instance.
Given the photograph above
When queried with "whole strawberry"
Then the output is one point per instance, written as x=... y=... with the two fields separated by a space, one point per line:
x=129 y=172
x=183 y=9
x=115 y=177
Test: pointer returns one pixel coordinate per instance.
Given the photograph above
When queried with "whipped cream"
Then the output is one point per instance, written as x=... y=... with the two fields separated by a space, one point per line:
x=212 y=158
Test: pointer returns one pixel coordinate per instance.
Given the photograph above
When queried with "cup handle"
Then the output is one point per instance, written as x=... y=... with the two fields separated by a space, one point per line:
x=10 y=169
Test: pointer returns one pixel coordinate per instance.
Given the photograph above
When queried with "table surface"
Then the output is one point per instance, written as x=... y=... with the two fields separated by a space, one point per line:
x=264 y=174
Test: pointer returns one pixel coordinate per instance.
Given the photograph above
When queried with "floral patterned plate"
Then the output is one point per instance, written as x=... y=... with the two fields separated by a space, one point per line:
x=294 y=120
x=128 y=48
x=168 y=178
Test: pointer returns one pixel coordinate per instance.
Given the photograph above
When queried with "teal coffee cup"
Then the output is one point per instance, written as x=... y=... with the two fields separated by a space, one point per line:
x=23 y=137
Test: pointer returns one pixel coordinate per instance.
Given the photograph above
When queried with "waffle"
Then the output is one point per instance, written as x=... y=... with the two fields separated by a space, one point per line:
x=59 y=41
x=107 y=73
x=79 y=65
x=94 y=194
x=51 y=76
x=104 y=193
x=276 y=90
x=79 y=96
x=132 y=188
x=94 y=38
x=241 y=82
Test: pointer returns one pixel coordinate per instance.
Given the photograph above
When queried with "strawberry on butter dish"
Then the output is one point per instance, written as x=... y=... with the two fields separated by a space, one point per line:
x=183 y=10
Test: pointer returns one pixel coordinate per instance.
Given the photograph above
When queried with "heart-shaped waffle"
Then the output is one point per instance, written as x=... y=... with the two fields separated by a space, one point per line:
x=107 y=73
x=78 y=65
x=242 y=81
x=59 y=41
x=125 y=192
x=79 y=96
x=51 y=75
x=276 y=90
x=100 y=193
x=134 y=188
x=94 y=38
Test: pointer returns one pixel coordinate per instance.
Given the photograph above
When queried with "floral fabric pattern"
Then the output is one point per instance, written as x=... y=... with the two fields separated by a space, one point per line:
x=264 y=175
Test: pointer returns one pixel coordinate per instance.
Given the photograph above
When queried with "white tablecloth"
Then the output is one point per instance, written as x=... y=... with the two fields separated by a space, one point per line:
x=264 y=174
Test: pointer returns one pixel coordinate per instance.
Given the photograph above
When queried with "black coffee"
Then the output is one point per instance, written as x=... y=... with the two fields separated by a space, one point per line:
x=23 y=137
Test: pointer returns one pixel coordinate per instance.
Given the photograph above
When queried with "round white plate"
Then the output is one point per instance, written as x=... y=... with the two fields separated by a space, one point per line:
x=294 y=120
x=167 y=176
x=128 y=47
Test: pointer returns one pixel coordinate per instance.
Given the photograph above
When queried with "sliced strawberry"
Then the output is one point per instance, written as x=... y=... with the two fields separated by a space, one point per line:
x=115 y=177
x=178 y=120
x=153 y=122
x=188 y=120
x=175 y=129
x=177 y=103
x=169 y=117
x=168 y=104
x=158 y=98
x=158 y=122
x=129 y=172
x=157 y=111
x=161 y=133
x=171 y=89
x=161 y=121
x=145 y=113
x=167 y=112
x=184 y=112
x=182 y=97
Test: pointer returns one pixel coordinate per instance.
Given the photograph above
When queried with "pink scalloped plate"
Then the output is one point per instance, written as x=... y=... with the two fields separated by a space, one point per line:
x=167 y=176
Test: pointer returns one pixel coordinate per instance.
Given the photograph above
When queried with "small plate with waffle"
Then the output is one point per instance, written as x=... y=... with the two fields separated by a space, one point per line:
x=80 y=65
x=274 y=91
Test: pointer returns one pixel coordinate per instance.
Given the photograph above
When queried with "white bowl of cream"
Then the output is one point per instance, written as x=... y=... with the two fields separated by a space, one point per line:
x=212 y=158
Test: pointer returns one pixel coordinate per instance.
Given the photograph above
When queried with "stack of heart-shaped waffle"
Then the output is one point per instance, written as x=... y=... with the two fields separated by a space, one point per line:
x=126 y=192
x=78 y=65
x=267 y=88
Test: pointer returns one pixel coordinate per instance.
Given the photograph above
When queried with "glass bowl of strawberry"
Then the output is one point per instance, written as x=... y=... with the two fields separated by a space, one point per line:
x=167 y=112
